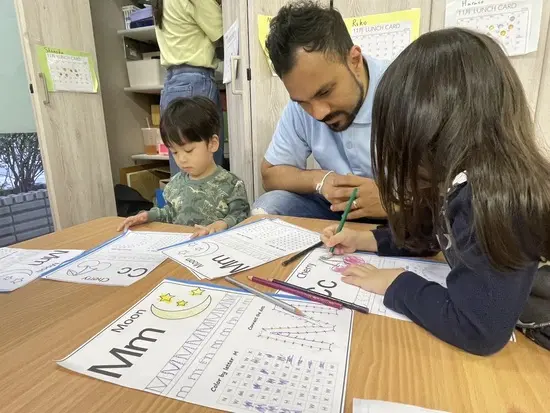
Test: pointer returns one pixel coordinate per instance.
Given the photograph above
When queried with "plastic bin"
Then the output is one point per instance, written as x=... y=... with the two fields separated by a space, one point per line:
x=145 y=73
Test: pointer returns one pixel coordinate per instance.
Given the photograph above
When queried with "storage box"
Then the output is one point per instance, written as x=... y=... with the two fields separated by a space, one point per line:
x=141 y=14
x=163 y=182
x=145 y=73
x=127 y=11
x=145 y=178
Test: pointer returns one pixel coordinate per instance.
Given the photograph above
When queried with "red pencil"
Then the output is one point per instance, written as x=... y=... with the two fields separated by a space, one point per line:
x=292 y=291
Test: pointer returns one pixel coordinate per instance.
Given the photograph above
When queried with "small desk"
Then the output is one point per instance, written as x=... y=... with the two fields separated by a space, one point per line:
x=390 y=359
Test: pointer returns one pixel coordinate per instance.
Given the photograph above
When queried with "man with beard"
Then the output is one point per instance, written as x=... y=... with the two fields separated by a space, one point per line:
x=331 y=86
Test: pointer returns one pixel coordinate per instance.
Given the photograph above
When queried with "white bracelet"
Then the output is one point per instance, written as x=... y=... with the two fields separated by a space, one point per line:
x=319 y=186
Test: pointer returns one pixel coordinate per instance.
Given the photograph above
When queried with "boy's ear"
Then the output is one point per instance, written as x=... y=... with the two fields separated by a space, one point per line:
x=214 y=143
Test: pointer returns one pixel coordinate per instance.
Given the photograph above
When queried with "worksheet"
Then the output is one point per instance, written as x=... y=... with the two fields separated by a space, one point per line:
x=19 y=266
x=120 y=261
x=515 y=24
x=225 y=349
x=379 y=406
x=321 y=272
x=230 y=49
x=241 y=248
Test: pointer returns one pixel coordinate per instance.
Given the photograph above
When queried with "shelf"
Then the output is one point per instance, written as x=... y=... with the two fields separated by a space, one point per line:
x=150 y=90
x=145 y=157
x=143 y=34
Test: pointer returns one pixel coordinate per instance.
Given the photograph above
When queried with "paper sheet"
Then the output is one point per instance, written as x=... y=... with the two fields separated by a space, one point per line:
x=224 y=349
x=241 y=248
x=67 y=70
x=19 y=266
x=379 y=406
x=263 y=31
x=384 y=36
x=324 y=276
x=120 y=261
x=514 y=24
x=231 y=48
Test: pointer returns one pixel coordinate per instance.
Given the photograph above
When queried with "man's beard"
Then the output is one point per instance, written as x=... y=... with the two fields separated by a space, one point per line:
x=349 y=116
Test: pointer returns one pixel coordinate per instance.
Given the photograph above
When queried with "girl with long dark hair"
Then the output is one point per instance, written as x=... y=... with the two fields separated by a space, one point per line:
x=459 y=170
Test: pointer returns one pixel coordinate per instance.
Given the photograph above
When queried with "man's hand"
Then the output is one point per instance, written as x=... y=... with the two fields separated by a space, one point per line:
x=338 y=189
x=201 y=231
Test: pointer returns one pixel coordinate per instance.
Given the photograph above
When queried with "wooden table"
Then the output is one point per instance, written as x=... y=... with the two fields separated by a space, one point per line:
x=390 y=359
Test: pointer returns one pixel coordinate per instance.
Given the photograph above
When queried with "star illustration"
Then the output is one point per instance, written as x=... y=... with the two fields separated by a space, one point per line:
x=181 y=303
x=197 y=291
x=166 y=298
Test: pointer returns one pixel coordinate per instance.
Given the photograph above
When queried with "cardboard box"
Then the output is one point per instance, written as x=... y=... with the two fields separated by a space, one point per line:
x=145 y=178
x=155 y=115
x=163 y=182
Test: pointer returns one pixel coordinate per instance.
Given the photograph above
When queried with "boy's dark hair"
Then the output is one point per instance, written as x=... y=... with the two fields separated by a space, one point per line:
x=452 y=102
x=187 y=120
x=309 y=26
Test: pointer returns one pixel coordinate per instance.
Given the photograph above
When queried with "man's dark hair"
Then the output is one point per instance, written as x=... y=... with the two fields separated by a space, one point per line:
x=309 y=26
x=187 y=120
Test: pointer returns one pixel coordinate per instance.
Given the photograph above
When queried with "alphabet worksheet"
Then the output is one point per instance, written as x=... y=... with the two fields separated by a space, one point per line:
x=225 y=349
x=241 y=248
x=19 y=267
x=322 y=273
x=120 y=261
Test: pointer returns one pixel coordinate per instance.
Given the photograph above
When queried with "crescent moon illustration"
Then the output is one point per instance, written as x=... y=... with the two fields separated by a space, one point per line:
x=181 y=314
x=198 y=249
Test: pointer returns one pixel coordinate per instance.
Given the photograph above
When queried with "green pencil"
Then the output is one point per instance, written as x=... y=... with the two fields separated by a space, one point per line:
x=345 y=214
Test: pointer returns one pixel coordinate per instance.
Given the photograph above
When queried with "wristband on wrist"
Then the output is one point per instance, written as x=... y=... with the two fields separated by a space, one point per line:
x=319 y=187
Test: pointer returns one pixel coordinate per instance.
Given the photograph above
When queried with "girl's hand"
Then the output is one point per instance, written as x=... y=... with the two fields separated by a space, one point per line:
x=345 y=241
x=201 y=231
x=370 y=278
x=141 y=218
x=348 y=241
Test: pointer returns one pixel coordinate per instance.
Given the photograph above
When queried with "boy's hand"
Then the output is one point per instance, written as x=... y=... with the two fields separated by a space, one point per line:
x=201 y=231
x=138 y=219
x=370 y=278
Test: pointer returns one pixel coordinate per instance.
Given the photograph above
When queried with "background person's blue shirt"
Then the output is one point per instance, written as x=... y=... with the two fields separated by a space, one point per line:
x=298 y=135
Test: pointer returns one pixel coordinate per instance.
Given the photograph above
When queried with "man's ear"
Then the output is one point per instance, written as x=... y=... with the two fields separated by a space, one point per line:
x=355 y=58
x=214 y=143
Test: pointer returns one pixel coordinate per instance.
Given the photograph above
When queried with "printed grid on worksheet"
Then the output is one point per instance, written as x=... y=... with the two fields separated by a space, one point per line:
x=277 y=383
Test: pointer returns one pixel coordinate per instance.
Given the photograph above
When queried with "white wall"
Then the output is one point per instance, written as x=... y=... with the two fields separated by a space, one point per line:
x=15 y=104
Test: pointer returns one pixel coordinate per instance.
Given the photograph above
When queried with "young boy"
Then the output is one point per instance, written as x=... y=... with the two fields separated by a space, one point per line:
x=201 y=194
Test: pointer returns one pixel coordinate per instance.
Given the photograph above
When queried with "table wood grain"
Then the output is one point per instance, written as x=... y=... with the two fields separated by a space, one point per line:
x=390 y=360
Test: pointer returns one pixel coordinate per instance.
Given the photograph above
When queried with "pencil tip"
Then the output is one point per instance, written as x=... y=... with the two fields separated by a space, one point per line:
x=249 y=277
x=299 y=312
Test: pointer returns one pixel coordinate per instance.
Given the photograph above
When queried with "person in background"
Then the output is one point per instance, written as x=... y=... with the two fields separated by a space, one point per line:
x=459 y=171
x=331 y=83
x=187 y=32
x=201 y=194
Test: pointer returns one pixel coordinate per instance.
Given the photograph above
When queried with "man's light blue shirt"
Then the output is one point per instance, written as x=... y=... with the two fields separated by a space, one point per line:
x=298 y=135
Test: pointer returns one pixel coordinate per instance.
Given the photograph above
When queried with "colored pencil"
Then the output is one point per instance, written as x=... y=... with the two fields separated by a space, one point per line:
x=345 y=214
x=294 y=291
x=301 y=254
x=345 y=304
x=272 y=300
